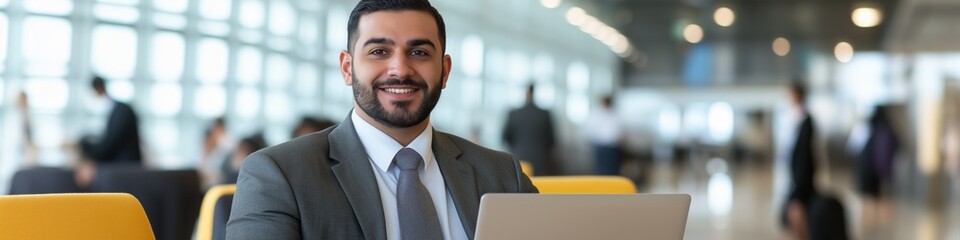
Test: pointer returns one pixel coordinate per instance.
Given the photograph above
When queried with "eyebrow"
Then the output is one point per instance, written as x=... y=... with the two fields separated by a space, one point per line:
x=378 y=41
x=421 y=42
x=411 y=43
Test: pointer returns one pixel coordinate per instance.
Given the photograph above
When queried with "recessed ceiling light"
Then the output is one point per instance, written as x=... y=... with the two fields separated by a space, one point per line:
x=866 y=17
x=576 y=16
x=781 y=46
x=550 y=3
x=724 y=16
x=843 y=51
x=693 y=33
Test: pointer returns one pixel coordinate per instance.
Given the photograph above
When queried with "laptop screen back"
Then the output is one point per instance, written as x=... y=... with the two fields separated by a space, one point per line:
x=582 y=216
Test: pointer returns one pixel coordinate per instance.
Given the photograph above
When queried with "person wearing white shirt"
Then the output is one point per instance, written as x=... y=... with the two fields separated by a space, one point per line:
x=604 y=132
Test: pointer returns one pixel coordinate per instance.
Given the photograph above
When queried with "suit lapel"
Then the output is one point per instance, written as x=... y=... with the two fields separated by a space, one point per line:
x=460 y=181
x=353 y=171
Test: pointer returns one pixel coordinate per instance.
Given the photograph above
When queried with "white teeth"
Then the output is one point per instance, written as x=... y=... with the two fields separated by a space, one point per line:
x=399 y=90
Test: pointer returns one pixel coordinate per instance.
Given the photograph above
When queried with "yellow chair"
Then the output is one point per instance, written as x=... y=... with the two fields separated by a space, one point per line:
x=527 y=168
x=73 y=216
x=208 y=209
x=584 y=184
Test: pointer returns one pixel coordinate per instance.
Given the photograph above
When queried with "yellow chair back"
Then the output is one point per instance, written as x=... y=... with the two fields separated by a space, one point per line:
x=527 y=168
x=78 y=216
x=208 y=209
x=584 y=184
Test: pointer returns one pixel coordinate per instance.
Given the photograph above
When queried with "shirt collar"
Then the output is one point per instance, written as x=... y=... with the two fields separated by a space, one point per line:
x=381 y=147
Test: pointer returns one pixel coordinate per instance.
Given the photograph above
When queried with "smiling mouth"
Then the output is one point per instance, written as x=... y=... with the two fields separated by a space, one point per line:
x=399 y=90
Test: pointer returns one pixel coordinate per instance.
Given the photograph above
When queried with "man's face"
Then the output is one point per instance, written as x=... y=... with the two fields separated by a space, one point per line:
x=397 y=68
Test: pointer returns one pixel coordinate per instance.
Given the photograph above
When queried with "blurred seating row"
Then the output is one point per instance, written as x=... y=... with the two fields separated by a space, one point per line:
x=170 y=198
x=215 y=210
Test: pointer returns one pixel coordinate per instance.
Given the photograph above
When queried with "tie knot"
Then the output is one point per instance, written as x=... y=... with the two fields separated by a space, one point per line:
x=407 y=159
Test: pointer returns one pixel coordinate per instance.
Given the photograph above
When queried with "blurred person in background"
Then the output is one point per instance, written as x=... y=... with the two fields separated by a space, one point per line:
x=19 y=150
x=802 y=166
x=246 y=146
x=950 y=145
x=217 y=146
x=120 y=141
x=874 y=167
x=309 y=125
x=604 y=132
x=529 y=133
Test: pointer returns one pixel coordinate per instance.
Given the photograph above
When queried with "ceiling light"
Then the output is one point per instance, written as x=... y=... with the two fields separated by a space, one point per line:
x=843 y=51
x=610 y=39
x=576 y=16
x=866 y=17
x=603 y=32
x=550 y=3
x=610 y=35
x=693 y=33
x=781 y=46
x=593 y=26
x=621 y=48
x=724 y=17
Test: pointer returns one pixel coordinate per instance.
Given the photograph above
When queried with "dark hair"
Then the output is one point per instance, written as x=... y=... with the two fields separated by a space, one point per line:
x=798 y=90
x=253 y=142
x=311 y=124
x=219 y=121
x=369 y=6
x=607 y=101
x=530 y=89
x=98 y=84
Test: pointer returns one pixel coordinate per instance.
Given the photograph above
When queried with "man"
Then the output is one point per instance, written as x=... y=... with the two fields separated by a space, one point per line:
x=605 y=133
x=120 y=141
x=382 y=173
x=802 y=167
x=529 y=132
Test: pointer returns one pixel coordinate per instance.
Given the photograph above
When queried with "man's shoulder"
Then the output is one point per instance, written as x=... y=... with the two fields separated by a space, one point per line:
x=306 y=145
x=472 y=149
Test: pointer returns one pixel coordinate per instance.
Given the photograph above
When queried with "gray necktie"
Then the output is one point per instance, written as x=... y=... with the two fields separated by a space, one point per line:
x=418 y=218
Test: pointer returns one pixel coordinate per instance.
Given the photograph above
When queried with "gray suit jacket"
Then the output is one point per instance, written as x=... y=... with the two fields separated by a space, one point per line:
x=321 y=186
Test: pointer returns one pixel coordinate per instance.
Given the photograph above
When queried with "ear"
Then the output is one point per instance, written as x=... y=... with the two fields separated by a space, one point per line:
x=447 y=64
x=346 y=67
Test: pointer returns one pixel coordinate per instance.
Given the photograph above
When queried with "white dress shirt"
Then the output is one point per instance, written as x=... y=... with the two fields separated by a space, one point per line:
x=603 y=127
x=381 y=148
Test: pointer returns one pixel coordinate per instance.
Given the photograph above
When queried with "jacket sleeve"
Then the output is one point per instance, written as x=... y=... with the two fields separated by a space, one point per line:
x=524 y=185
x=264 y=206
x=118 y=127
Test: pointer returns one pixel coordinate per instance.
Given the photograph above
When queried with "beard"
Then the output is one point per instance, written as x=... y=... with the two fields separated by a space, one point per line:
x=369 y=102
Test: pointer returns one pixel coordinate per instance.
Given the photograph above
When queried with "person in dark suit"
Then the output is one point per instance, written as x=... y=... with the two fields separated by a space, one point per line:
x=802 y=164
x=383 y=172
x=529 y=132
x=120 y=141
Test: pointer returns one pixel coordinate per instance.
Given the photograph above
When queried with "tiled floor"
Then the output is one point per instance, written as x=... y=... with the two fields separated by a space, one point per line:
x=738 y=201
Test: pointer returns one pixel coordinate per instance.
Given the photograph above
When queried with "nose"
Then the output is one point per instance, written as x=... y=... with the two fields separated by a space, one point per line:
x=399 y=67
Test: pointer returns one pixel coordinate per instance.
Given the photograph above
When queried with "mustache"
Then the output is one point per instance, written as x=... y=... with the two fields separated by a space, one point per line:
x=400 y=82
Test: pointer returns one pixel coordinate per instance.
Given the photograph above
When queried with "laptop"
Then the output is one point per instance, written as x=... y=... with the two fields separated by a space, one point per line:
x=582 y=216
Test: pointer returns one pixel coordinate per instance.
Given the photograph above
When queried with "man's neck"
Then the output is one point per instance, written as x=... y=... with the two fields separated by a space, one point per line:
x=402 y=135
